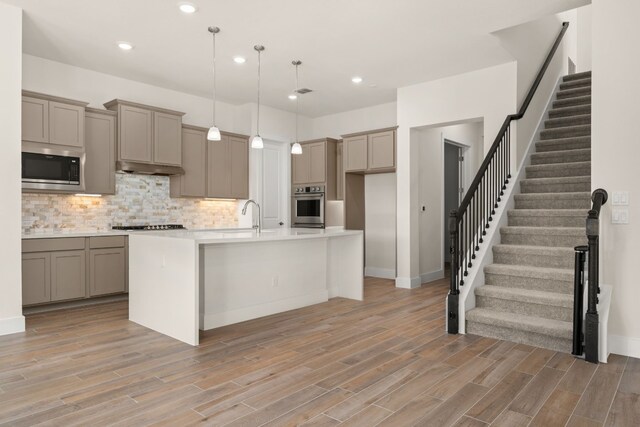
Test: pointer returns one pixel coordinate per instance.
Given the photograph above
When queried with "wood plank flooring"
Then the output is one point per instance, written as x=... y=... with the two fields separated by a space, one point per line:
x=385 y=361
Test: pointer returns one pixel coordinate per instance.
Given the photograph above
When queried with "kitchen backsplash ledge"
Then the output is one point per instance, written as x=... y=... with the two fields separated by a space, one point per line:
x=139 y=200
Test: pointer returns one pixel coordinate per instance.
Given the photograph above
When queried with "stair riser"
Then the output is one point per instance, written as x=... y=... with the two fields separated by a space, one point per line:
x=535 y=260
x=570 y=102
x=565 y=132
x=552 y=203
x=548 y=221
x=532 y=283
x=558 y=172
x=525 y=308
x=577 y=144
x=570 y=111
x=543 y=240
x=528 y=188
x=568 y=157
x=577 y=76
x=572 y=93
x=567 y=121
x=573 y=84
x=523 y=337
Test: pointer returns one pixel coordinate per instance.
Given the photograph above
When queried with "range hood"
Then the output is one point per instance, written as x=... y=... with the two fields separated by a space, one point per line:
x=148 y=169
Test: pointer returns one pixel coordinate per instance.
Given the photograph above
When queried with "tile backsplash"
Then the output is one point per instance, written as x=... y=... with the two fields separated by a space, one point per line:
x=139 y=200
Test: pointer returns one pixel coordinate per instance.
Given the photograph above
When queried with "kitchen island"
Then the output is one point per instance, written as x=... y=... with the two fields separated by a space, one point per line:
x=181 y=282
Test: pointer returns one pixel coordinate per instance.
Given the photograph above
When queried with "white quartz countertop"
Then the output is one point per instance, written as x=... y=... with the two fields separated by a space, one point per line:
x=239 y=235
x=71 y=233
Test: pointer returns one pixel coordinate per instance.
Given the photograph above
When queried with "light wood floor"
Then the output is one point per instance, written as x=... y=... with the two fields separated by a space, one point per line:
x=386 y=361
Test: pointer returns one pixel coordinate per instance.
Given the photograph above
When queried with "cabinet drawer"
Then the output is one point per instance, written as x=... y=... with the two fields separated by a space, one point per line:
x=107 y=242
x=50 y=245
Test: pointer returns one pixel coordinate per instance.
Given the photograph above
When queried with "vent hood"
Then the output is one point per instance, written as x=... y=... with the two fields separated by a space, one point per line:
x=148 y=169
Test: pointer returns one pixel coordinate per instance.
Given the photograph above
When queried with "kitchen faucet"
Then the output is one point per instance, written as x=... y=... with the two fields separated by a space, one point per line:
x=258 y=227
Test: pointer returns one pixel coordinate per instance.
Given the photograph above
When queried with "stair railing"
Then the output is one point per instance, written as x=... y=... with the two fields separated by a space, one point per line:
x=469 y=223
x=587 y=342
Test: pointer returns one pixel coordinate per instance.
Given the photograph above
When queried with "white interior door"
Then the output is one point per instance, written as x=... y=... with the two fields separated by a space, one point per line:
x=274 y=188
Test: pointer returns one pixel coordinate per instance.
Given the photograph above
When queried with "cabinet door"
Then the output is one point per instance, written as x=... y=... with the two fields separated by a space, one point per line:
x=300 y=166
x=66 y=124
x=239 y=161
x=107 y=272
x=68 y=275
x=35 y=119
x=218 y=173
x=100 y=149
x=355 y=153
x=136 y=134
x=339 y=172
x=382 y=150
x=167 y=139
x=36 y=278
x=317 y=162
x=194 y=161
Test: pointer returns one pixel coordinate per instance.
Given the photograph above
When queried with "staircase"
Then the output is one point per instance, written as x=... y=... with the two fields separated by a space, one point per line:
x=528 y=292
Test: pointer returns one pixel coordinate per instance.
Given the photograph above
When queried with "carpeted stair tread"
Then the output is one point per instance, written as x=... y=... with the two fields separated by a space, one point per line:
x=558 y=122
x=555 y=328
x=576 y=110
x=569 y=200
x=565 y=237
x=577 y=76
x=567 y=102
x=561 y=156
x=558 y=170
x=547 y=231
x=547 y=217
x=565 y=132
x=564 y=144
x=544 y=273
x=556 y=185
x=527 y=296
x=573 y=93
x=537 y=256
x=571 y=84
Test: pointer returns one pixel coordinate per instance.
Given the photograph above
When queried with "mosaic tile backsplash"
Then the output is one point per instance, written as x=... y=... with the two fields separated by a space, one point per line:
x=139 y=200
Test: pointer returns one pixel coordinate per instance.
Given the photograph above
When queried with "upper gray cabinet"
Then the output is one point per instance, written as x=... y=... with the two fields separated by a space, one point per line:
x=52 y=120
x=316 y=165
x=148 y=134
x=370 y=152
x=100 y=149
x=215 y=169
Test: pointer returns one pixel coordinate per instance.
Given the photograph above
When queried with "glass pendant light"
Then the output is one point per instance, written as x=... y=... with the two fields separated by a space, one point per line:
x=256 y=141
x=296 y=148
x=214 y=132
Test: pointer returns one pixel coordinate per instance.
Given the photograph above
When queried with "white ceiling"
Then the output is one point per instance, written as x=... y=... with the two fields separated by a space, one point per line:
x=390 y=43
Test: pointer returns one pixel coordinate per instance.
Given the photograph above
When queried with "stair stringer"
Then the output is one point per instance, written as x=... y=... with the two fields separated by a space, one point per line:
x=484 y=257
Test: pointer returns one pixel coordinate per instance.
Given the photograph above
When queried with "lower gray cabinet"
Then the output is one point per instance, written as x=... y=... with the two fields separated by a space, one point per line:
x=68 y=278
x=107 y=271
x=36 y=278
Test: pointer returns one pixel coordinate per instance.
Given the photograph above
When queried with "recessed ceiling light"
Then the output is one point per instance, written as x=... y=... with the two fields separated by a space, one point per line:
x=187 y=8
x=292 y=97
x=356 y=79
x=125 y=45
x=239 y=60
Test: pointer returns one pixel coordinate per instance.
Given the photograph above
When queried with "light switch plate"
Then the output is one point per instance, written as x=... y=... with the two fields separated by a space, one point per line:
x=620 y=198
x=620 y=216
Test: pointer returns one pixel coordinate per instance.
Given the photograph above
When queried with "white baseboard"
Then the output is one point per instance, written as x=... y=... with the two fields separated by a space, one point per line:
x=12 y=325
x=408 y=282
x=381 y=273
x=625 y=346
x=216 y=320
x=431 y=276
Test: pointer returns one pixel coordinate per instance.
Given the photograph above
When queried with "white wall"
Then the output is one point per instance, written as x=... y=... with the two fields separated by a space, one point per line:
x=432 y=220
x=335 y=125
x=614 y=160
x=488 y=94
x=380 y=225
x=11 y=319
x=584 y=38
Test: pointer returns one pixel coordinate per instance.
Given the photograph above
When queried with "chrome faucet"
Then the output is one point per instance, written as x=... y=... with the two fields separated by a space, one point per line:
x=258 y=227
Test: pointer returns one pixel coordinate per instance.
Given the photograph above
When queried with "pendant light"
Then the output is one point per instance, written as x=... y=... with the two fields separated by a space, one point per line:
x=296 y=148
x=214 y=132
x=256 y=141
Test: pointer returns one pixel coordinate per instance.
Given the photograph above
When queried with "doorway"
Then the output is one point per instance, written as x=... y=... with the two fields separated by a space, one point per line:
x=273 y=188
x=453 y=186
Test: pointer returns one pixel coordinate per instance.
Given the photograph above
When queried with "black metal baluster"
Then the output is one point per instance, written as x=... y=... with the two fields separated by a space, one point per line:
x=509 y=152
x=499 y=172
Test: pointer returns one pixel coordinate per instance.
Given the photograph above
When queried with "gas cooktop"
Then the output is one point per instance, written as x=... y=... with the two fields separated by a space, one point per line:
x=148 y=227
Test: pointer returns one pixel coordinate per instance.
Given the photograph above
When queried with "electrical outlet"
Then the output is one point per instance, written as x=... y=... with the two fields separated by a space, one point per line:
x=620 y=216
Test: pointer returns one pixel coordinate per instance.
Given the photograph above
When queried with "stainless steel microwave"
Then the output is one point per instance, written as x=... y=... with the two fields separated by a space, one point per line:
x=54 y=170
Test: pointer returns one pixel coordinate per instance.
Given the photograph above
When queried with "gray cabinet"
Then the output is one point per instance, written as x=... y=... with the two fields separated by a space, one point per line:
x=52 y=120
x=317 y=161
x=370 y=152
x=239 y=165
x=300 y=167
x=148 y=134
x=339 y=171
x=36 y=278
x=316 y=165
x=107 y=271
x=218 y=173
x=194 y=162
x=68 y=275
x=100 y=149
